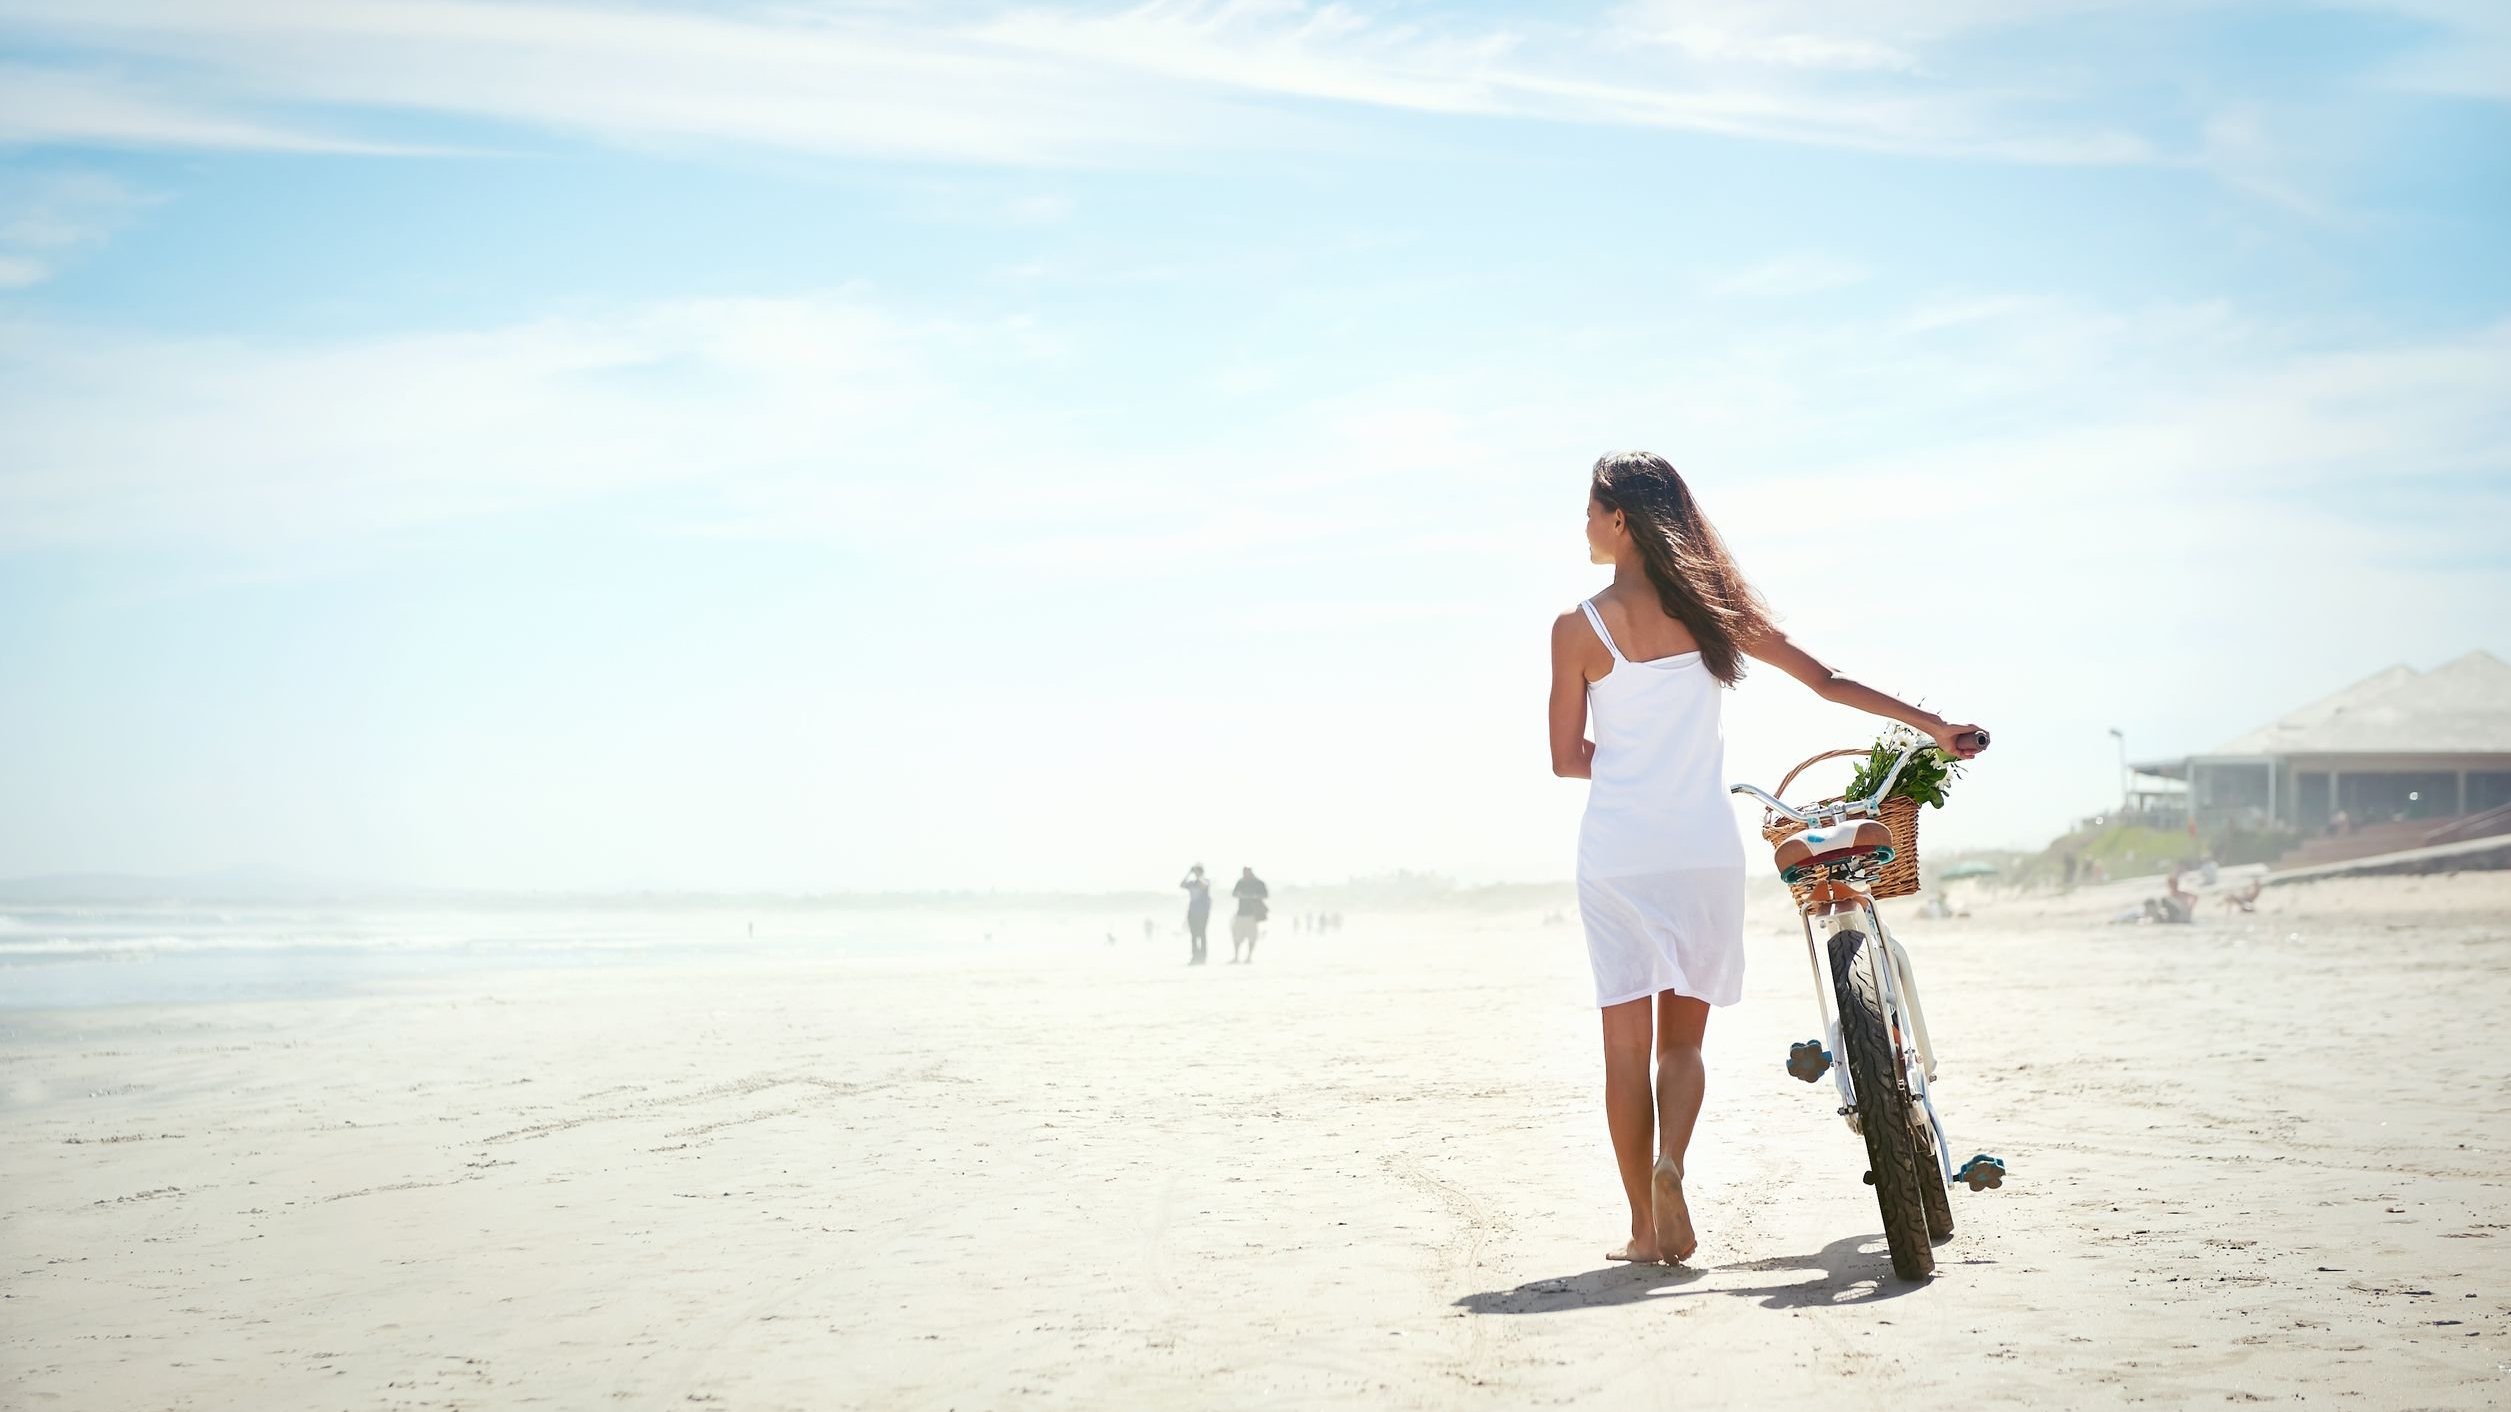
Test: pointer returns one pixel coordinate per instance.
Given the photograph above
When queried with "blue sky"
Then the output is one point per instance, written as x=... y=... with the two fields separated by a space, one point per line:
x=866 y=444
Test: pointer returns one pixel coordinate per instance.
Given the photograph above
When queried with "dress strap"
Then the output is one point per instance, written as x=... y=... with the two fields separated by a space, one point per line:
x=1596 y=620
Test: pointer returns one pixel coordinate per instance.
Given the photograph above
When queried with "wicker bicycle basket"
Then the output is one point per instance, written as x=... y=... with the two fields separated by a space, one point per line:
x=1899 y=877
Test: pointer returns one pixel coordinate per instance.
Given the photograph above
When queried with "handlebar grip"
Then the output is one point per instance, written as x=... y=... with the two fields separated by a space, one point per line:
x=1978 y=740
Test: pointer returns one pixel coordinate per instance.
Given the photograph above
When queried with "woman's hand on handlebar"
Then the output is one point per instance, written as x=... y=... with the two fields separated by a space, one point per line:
x=1959 y=741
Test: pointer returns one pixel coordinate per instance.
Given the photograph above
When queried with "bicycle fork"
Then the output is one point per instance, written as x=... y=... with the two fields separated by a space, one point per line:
x=1897 y=983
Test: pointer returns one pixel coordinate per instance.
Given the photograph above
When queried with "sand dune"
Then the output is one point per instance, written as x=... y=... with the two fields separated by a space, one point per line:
x=2261 y=1159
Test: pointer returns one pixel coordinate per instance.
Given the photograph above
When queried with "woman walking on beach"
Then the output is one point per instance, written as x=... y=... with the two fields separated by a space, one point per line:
x=1660 y=865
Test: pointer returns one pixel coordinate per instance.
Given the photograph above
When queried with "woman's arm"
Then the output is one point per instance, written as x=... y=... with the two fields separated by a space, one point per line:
x=1574 y=651
x=1957 y=740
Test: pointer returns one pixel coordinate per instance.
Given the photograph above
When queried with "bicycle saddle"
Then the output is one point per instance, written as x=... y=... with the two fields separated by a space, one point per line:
x=1857 y=838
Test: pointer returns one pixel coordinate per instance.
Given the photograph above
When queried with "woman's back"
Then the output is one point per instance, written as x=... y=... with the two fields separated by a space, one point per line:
x=1657 y=801
x=1641 y=628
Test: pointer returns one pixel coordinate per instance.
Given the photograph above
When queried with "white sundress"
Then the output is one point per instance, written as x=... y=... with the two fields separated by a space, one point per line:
x=1660 y=865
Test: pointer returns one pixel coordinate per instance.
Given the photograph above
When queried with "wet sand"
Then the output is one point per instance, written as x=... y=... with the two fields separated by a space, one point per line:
x=2267 y=1158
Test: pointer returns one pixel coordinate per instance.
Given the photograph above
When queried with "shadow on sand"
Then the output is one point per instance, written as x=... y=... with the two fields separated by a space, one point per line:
x=1850 y=1274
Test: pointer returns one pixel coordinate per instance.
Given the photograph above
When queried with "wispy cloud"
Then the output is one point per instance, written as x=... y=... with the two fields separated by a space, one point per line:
x=109 y=436
x=1026 y=85
x=47 y=217
x=822 y=416
x=53 y=106
x=1057 y=85
x=2474 y=59
x=1552 y=73
x=865 y=79
x=1786 y=276
x=1779 y=35
x=1837 y=33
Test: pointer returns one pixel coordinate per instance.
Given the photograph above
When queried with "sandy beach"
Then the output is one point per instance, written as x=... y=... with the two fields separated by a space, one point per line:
x=2264 y=1159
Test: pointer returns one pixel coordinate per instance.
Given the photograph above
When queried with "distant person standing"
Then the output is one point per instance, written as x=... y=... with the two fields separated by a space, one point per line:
x=1198 y=911
x=1250 y=893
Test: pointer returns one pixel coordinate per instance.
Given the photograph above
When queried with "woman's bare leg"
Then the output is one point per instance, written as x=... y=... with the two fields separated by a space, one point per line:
x=1681 y=1021
x=1630 y=1111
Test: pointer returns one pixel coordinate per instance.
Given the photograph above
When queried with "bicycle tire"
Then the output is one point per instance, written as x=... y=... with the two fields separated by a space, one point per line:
x=1931 y=1188
x=1884 y=1112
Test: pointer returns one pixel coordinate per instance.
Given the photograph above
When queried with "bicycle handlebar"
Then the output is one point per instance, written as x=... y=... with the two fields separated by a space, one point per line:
x=1846 y=807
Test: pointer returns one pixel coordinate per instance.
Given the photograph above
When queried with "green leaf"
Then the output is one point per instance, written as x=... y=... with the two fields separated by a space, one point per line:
x=1929 y=775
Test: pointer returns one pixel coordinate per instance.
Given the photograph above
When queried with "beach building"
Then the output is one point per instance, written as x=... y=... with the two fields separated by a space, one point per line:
x=2400 y=744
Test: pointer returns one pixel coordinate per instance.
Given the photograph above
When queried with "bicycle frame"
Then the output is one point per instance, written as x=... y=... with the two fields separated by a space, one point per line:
x=1844 y=896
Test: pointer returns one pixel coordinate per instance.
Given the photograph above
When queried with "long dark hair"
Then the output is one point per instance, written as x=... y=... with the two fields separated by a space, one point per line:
x=1695 y=578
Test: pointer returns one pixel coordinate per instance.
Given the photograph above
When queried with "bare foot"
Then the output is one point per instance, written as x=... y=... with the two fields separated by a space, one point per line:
x=1637 y=1252
x=1672 y=1215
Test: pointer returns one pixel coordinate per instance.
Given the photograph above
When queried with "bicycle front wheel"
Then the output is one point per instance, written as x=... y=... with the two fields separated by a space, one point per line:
x=1889 y=1120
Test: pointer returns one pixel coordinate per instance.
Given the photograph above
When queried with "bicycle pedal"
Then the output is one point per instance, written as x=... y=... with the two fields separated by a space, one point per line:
x=1808 y=1061
x=1983 y=1172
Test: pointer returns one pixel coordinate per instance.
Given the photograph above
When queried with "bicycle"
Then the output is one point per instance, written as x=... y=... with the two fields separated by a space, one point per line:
x=1878 y=1052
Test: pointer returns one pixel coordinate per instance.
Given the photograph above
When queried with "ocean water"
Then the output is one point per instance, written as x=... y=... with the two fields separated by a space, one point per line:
x=73 y=956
